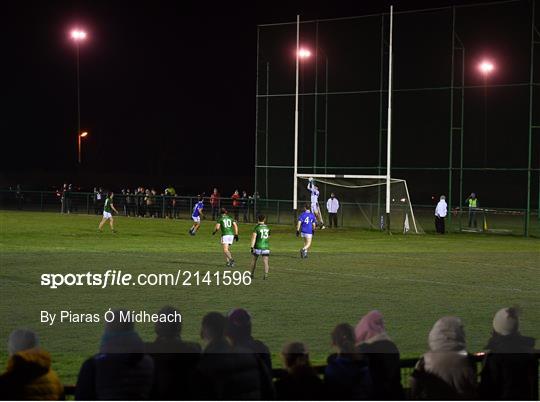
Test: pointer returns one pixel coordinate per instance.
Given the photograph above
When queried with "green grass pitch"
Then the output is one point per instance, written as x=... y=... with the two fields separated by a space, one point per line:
x=412 y=279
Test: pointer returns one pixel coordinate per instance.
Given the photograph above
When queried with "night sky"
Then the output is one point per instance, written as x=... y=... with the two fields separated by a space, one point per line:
x=167 y=88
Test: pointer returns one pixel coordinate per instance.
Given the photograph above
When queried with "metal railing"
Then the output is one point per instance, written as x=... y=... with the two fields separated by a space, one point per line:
x=364 y=215
x=407 y=368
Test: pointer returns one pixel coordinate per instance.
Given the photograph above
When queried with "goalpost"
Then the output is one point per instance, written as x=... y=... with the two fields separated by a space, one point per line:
x=387 y=178
x=362 y=203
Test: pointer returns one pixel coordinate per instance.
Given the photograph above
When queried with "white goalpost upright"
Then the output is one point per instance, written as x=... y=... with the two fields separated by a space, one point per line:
x=295 y=185
x=389 y=124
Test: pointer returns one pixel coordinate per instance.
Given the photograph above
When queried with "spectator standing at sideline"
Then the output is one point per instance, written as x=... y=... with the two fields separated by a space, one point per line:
x=97 y=200
x=214 y=204
x=441 y=211
x=373 y=343
x=332 y=206
x=28 y=375
x=64 y=199
x=170 y=198
x=510 y=366
x=473 y=204
x=245 y=206
x=446 y=371
x=236 y=204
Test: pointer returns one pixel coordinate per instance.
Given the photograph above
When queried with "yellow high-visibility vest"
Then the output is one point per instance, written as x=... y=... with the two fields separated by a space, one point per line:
x=473 y=202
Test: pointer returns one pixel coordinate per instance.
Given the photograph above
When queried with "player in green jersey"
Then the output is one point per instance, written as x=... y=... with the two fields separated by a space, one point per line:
x=260 y=245
x=108 y=208
x=229 y=233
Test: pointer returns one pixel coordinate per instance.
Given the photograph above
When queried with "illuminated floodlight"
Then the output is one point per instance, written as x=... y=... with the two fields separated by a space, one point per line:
x=78 y=35
x=304 y=53
x=486 y=67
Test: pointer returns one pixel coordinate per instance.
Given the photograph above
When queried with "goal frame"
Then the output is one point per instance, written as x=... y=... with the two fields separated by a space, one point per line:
x=387 y=184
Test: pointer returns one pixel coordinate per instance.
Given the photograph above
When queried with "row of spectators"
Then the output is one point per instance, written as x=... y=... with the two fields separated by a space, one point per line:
x=234 y=365
x=147 y=202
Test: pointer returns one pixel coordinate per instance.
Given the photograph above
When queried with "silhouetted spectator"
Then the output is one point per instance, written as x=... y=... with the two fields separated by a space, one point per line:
x=28 y=375
x=301 y=382
x=121 y=369
x=129 y=204
x=19 y=196
x=170 y=202
x=174 y=360
x=214 y=203
x=141 y=202
x=239 y=332
x=98 y=198
x=64 y=199
x=347 y=374
x=446 y=371
x=510 y=366
x=382 y=356
x=244 y=202
x=227 y=372
x=236 y=204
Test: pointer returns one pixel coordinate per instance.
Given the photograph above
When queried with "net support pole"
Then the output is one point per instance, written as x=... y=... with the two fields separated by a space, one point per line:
x=389 y=123
x=256 y=130
x=295 y=174
x=529 y=148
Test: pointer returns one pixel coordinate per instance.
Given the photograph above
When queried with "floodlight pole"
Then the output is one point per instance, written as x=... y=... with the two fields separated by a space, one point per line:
x=389 y=123
x=295 y=181
x=78 y=95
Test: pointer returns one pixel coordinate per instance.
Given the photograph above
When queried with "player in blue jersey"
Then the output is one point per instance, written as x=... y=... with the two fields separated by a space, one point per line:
x=305 y=227
x=196 y=216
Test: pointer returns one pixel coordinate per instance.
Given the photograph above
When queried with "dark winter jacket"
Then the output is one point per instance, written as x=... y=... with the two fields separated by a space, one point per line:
x=347 y=377
x=460 y=381
x=174 y=365
x=384 y=366
x=509 y=368
x=120 y=371
x=258 y=347
x=28 y=376
x=300 y=384
x=226 y=372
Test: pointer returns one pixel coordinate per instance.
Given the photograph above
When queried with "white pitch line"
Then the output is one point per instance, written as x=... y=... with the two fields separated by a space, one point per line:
x=411 y=280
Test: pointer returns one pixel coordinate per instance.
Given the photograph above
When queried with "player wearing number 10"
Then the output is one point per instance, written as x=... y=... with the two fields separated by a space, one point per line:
x=260 y=245
x=229 y=233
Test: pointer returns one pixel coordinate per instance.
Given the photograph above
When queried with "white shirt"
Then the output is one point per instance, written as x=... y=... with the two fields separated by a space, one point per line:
x=314 y=193
x=441 y=209
x=332 y=205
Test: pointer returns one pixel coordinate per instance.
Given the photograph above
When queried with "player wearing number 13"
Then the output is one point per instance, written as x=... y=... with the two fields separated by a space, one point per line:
x=229 y=233
x=260 y=245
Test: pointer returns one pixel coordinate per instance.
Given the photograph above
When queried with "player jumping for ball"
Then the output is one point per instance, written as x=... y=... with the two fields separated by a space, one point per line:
x=196 y=216
x=314 y=190
x=108 y=208
x=260 y=246
x=307 y=222
x=229 y=233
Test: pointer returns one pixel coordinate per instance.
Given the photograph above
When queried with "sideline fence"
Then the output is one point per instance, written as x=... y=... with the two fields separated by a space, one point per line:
x=488 y=220
x=407 y=367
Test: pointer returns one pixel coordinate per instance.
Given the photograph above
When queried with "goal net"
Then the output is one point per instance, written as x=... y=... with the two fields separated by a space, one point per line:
x=362 y=201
